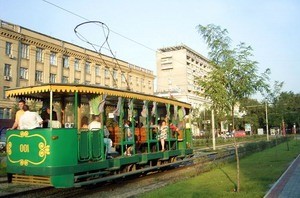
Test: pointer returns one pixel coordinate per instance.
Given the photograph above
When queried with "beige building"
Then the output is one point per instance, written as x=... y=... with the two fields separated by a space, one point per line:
x=30 y=58
x=177 y=68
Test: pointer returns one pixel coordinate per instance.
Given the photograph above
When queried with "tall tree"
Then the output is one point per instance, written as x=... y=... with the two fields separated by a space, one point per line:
x=233 y=76
x=288 y=108
x=271 y=96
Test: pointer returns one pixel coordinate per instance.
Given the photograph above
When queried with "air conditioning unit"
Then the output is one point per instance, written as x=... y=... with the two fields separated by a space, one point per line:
x=11 y=56
x=7 y=78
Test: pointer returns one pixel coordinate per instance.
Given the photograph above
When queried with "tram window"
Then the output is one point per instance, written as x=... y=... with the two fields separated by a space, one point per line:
x=69 y=115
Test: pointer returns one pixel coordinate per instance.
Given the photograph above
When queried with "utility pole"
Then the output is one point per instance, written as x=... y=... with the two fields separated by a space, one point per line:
x=267 y=123
x=213 y=129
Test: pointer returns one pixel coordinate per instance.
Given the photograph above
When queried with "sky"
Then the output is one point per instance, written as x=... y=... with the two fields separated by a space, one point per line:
x=138 y=28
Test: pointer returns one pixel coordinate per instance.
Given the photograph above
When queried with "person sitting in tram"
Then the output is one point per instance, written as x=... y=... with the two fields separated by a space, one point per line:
x=95 y=124
x=84 y=122
x=174 y=130
x=45 y=115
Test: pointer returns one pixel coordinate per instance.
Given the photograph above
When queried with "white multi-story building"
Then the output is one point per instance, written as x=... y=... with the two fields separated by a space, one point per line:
x=177 y=70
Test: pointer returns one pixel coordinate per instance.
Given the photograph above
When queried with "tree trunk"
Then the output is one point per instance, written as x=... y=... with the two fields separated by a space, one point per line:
x=237 y=165
x=237 y=187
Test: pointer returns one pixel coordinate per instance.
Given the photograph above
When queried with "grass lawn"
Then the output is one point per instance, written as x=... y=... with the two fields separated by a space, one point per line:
x=257 y=172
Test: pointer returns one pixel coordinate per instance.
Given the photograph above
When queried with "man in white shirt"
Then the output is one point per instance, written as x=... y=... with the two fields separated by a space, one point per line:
x=30 y=120
x=95 y=124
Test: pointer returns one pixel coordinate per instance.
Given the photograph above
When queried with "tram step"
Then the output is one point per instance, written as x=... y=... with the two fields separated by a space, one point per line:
x=142 y=162
x=164 y=159
x=114 y=168
x=90 y=175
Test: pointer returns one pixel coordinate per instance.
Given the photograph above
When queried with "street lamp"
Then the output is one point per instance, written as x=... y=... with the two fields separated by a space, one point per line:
x=267 y=123
x=213 y=128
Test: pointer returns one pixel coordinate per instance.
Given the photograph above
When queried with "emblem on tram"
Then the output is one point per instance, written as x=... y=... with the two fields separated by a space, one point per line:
x=27 y=148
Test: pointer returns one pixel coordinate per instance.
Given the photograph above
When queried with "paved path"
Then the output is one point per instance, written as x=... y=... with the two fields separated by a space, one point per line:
x=288 y=185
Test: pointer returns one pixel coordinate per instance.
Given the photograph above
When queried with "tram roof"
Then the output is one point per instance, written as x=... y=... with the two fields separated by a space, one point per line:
x=38 y=92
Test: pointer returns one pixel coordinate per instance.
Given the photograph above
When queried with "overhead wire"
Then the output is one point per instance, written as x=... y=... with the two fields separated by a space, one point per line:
x=121 y=35
x=132 y=40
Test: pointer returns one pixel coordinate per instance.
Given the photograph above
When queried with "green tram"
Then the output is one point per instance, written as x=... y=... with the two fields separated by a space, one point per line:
x=67 y=155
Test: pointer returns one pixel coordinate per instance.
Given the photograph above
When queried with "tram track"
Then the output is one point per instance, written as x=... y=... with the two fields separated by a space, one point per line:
x=152 y=180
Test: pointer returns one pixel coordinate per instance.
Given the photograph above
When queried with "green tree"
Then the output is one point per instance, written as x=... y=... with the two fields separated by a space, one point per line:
x=271 y=97
x=233 y=75
x=254 y=112
x=287 y=109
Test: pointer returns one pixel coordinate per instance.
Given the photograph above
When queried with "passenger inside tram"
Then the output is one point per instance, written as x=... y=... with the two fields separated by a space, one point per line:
x=128 y=137
x=46 y=116
x=84 y=122
x=95 y=124
x=163 y=134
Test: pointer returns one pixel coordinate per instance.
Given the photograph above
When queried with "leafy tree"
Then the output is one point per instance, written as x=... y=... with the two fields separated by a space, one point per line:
x=287 y=109
x=254 y=112
x=233 y=75
x=271 y=97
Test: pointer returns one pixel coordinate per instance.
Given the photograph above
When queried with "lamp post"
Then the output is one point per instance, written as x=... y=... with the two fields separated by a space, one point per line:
x=213 y=129
x=267 y=123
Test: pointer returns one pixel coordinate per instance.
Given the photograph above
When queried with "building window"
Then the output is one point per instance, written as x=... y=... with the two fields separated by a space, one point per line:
x=7 y=71
x=106 y=73
x=8 y=48
x=149 y=84
x=65 y=79
x=76 y=64
x=4 y=113
x=39 y=54
x=166 y=66
x=39 y=76
x=52 y=58
x=130 y=79
x=1 y=113
x=142 y=83
x=87 y=67
x=115 y=75
x=65 y=61
x=24 y=51
x=123 y=78
x=87 y=82
x=76 y=80
x=97 y=70
x=52 y=78
x=23 y=73
x=137 y=81
x=4 y=89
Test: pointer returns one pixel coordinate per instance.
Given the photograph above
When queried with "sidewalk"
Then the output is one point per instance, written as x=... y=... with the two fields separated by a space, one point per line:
x=288 y=185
